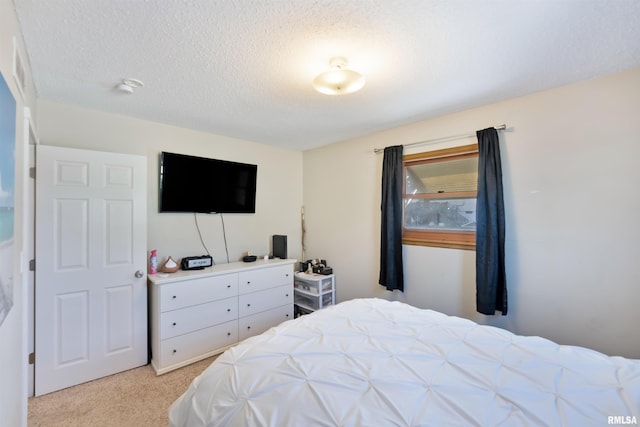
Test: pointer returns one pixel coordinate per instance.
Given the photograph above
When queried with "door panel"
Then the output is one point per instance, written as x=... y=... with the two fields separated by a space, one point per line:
x=119 y=223
x=91 y=309
x=70 y=329
x=70 y=218
x=120 y=325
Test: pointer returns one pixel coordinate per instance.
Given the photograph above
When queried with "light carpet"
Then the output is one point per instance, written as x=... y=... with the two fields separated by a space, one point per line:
x=132 y=398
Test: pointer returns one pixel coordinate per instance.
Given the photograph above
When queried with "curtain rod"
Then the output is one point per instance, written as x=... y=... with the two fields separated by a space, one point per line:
x=443 y=139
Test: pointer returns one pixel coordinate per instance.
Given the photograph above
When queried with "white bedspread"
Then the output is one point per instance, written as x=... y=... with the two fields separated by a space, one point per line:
x=370 y=362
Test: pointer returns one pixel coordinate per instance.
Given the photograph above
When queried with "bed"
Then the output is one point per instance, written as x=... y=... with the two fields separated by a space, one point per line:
x=371 y=362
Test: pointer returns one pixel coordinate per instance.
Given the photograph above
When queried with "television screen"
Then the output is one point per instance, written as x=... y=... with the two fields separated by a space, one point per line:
x=199 y=184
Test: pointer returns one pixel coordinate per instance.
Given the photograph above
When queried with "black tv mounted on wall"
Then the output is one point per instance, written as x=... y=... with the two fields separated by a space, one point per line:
x=199 y=184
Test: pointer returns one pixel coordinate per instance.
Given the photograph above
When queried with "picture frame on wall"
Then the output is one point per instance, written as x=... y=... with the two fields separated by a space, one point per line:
x=7 y=196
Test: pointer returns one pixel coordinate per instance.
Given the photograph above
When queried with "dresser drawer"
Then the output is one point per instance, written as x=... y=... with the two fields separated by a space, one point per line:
x=256 y=302
x=258 y=323
x=184 y=320
x=264 y=278
x=197 y=291
x=197 y=343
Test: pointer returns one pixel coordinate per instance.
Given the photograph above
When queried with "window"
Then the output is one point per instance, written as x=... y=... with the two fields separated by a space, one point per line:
x=440 y=189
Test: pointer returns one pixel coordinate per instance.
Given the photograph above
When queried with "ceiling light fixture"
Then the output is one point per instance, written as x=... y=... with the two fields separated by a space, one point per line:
x=128 y=85
x=338 y=80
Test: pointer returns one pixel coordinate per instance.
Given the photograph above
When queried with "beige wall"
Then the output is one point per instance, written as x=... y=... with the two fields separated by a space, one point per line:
x=279 y=181
x=13 y=343
x=570 y=173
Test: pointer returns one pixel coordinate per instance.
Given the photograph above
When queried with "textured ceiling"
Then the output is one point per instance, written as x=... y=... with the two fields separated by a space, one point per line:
x=243 y=68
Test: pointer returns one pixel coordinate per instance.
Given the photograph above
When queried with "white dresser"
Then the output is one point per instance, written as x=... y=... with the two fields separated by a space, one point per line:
x=196 y=314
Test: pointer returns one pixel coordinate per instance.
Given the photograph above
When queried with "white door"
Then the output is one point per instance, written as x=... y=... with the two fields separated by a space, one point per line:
x=91 y=294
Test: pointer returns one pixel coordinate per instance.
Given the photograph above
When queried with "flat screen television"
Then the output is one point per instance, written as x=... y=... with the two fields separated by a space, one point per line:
x=199 y=184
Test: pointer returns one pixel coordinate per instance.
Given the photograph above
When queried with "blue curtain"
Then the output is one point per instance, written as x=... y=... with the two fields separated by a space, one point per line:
x=491 y=283
x=391 y=269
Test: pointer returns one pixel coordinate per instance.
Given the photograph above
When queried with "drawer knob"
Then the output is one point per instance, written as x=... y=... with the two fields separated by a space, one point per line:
x=287 y=315
x=248 y=305
x=248 y=327
x=248 y=282
x=228 y=334
x=286 y=295
x=174 y=323
x=228 y=286
x=175 y=351
x=228 y=309
x=174 y=297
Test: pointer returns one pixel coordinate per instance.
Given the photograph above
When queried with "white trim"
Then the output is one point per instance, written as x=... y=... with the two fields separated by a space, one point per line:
x=28 y=250
x=19 y=72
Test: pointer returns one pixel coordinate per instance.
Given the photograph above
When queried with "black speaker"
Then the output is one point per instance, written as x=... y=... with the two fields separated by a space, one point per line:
x=279 y=246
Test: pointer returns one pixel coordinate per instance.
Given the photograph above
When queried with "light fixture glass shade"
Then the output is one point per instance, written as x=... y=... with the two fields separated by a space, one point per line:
x=338 y=80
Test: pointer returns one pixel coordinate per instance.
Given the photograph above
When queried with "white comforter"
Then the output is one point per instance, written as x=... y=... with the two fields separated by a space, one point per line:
x=371 y=362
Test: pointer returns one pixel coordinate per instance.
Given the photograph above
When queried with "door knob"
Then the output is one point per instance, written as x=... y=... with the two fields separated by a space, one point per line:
x=139 y=274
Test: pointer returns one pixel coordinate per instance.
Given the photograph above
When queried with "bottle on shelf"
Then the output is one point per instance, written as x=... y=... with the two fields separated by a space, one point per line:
x=153 y=262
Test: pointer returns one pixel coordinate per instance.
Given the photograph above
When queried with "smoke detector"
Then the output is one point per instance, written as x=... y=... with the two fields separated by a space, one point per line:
x=128 y=85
